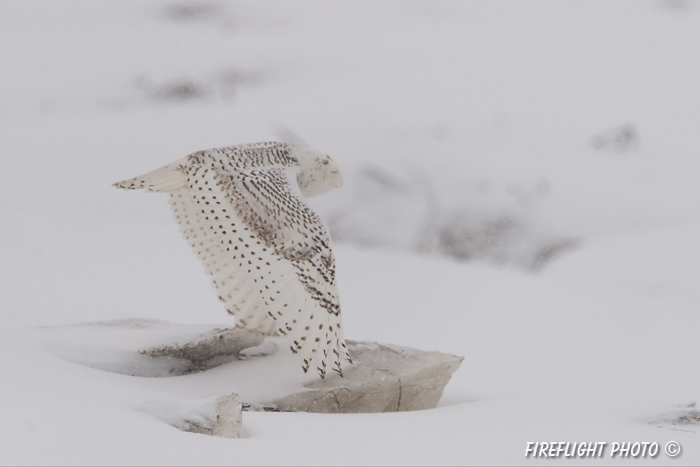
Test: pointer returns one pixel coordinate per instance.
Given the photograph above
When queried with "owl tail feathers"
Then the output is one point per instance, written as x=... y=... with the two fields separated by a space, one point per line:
x=162 y=180
x=322 y=347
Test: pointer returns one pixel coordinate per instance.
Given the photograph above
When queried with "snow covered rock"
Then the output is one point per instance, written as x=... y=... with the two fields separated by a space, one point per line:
x=152 y=348
x=210 y=349
x=199 y=362
x=217 y=416
x=383 y=378
x=481 y=221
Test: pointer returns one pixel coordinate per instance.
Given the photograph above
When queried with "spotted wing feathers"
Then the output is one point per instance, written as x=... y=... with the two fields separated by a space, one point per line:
x=163 y=180
x=268 y=254
x=270 y=203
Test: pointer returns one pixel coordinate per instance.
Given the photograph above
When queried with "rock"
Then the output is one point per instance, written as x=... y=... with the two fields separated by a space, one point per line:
x=217 y=416
x=199 y=362
x=228 y=421
x=149 y=348
x=686 y=414
x=384 y=378
x=620 y=139
x=211 y=349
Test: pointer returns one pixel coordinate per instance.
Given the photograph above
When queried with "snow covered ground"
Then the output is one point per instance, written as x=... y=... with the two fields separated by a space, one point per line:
x=441 y=114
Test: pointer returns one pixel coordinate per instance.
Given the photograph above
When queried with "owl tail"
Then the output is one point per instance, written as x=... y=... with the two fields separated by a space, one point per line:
x=162 y=180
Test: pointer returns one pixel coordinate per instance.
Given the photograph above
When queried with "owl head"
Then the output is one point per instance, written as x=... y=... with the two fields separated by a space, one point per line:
x=318 y=173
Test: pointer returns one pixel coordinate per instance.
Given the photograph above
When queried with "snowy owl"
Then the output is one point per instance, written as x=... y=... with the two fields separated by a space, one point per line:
x=242 y=209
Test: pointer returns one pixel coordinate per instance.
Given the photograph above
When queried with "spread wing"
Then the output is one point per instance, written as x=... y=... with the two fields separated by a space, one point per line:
x=269 y=255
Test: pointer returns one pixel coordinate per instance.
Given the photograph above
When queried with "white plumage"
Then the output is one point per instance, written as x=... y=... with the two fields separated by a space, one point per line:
x=242 y=210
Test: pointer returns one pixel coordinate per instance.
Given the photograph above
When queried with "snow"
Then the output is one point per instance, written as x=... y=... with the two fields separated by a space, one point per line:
x=473 y=105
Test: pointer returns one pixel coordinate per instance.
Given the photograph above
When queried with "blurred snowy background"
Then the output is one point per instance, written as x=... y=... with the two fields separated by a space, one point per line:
x=522 y=187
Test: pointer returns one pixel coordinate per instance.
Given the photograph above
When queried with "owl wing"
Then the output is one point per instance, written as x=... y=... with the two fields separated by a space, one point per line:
x=268 y=253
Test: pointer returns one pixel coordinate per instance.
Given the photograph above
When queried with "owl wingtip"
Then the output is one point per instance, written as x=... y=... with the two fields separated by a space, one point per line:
x=127 y=185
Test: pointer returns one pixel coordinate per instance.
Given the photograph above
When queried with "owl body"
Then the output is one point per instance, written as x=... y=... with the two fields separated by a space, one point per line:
x=243 y=211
